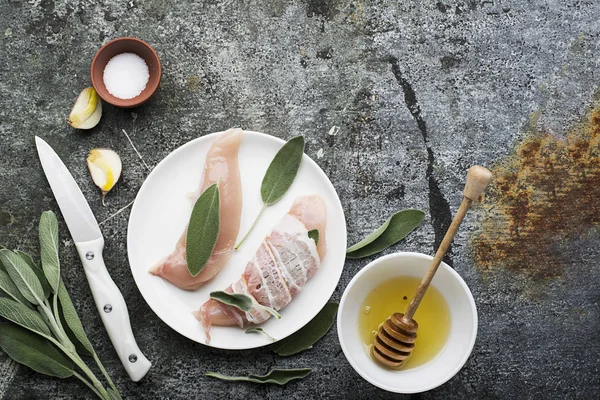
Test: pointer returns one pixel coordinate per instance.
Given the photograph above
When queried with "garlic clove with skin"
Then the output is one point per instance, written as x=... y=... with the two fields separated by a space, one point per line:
x=105 y=168
x=86 y=111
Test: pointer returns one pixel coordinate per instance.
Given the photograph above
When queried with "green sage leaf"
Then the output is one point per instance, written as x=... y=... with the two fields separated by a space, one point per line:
x=282 y=171
x=8 y=287
x=276 y=376
x=33 y=351
x=241 y=301
x=75 y=328
x=396 y=228
x=203 y=230
x=237 y=300
x=308 y=335
x=48 y=231
x=38 y=272
x=261 y=331
x=279 y=176
x=23 y=276
x=314 y=235
x=23 y=316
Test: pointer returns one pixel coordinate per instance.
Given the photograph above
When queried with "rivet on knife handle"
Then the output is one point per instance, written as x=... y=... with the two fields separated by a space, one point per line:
x=112 y=309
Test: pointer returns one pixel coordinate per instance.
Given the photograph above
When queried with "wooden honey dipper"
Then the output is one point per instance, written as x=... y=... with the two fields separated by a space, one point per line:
x=396 y=337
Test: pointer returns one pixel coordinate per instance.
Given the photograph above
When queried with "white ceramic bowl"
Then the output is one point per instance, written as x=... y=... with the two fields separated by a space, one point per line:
x=463 y=330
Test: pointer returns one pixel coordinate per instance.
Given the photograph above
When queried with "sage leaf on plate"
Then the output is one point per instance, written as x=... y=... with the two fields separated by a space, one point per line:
x=261 y=331
x=237 y=300
x=279 y=176
x=23 y=316
x=308 y=335
x=9 y=288
x=396 y=228
x=38 y=272
x=23 y=277
x=48 y=233
x=33 y=351
x=276 y=376
x=203 y=230
x=241 y=301
x=314 y=235
x=72 y=320
x=282 y=171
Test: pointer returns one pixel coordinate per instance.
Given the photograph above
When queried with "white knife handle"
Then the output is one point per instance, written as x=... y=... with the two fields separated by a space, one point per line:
x=112 y=309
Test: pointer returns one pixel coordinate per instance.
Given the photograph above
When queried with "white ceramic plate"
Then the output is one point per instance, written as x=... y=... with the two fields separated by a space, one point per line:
x=162 y=210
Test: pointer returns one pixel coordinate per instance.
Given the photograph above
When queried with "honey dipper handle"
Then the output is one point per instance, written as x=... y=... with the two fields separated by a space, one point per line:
x=477 y=180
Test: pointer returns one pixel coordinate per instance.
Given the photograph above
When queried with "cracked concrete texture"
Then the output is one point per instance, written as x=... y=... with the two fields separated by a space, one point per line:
x=472 y=71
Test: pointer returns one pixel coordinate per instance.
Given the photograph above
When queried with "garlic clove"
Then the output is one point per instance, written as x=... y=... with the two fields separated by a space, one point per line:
x=86 y=111
x=105 y=168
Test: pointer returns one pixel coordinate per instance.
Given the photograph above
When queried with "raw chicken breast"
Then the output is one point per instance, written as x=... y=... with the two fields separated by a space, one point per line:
x=283 y=263
x=221 y=163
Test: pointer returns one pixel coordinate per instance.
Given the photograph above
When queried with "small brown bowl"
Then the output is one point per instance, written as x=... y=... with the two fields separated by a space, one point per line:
x=125 y=45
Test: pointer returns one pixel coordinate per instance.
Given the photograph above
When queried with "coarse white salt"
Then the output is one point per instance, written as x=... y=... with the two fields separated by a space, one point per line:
x=126 y=75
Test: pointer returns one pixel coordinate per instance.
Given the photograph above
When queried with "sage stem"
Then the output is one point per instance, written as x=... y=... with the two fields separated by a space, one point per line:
x=79 y=362
x=252 y=227
x=99 y=364
x=87 y=383
x=58 y=332
x=271 y=311
x=57 y=317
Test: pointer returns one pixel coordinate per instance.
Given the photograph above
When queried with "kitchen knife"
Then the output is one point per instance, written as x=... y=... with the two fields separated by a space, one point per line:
x=89 y=243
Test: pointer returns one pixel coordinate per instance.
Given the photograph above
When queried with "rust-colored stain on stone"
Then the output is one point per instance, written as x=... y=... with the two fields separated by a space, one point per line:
x=544 y=196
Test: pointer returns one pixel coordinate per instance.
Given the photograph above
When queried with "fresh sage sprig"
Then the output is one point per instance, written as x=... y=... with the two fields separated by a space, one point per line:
x=276 y=376
x=241 y=301
x=396 y=228
x=308 y=335
x=43 y=330
x=261 y=331
x=203 y=229
x=279 y=176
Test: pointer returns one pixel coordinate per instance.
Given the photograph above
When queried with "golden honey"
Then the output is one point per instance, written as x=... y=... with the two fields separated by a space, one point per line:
x=433 y=317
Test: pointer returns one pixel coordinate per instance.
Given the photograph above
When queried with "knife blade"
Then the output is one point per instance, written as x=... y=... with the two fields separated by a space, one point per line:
x=89 y=243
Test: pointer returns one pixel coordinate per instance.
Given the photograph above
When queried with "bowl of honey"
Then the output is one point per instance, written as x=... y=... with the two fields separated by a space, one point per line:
x=447 y=319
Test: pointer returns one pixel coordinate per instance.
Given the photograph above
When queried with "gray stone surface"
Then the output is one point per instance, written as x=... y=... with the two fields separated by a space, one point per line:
x=419 y=91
